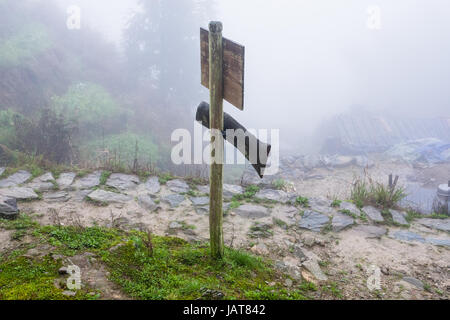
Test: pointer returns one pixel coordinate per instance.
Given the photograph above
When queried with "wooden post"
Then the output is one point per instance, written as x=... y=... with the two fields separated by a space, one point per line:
x=217 y=145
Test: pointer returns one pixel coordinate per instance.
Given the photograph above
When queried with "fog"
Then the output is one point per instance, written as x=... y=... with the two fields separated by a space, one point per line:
x=306 y=60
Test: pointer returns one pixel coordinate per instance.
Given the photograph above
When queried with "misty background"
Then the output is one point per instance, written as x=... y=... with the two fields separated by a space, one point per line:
x=306 y=61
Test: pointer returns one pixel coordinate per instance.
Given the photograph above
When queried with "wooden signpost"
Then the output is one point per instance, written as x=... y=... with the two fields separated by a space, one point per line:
x=222 y=65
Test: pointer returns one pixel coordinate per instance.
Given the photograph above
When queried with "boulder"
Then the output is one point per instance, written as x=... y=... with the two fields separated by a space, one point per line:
x=398 y=217
x=8 y=208
x=251 y=211
x=108 y=197
x=174 y=200
x=19 y=193
x=153 y=186
x=88 y=182
x=15 y=179
x=178 y=186
x=65 y=180
x=341 y=221
x=438 y=224
x=313 y=221
x=123 y=182
x=147 y=203
x=60 y=196
x=373 y=213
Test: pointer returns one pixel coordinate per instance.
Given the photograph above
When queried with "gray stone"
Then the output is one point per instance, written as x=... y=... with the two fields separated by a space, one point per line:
x=373 y=214
x=230 y=190
x=123 y=181
x=203 y=189
x=65 y=180
x=341 y=221
x=108 y=197
x=438 y=242
x=200 y=201
x=15 y=179
x=19 y=193
x=42 y=183
x=60 y=196
x=81 y=195
x=48 y=177
x=174 y=200
x=347 y=206
x=298 y=252
x=313 y=267
x=408 y=236
x=251 y=211
x=438 y=224
x=147 y=203
x=398 y=217
x=153 y=186
x=372 y=231
x=90 y=181
x=273 y=195
x=178 y=186
x=204 y=210
x=313 y=221
x=319 y=202
x=415 y=282
x=8 y=208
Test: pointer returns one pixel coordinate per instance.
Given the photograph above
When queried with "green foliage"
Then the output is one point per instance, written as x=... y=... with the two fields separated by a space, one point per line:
x=121 y=150
x=104 y=177
x=377 y=194
x=249 y=193
x=30 y=41
x=89 y=104
x=302 y=201
x=7 y=132
x=179 y=270
x=165 y=177
x=279 y=184
x=336 y=203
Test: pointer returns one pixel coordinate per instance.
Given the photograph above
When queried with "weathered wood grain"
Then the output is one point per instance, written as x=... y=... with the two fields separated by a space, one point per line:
x=233 y=69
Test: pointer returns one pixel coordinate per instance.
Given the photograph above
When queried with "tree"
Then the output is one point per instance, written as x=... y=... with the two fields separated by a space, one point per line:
x=162 y=46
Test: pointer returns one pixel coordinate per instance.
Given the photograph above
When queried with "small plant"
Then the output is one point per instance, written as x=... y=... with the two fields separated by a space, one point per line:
x=336 y=203
x=249 y=193
x=166 y=177
x=104 y=177
x=302 y=201
x=279 y=184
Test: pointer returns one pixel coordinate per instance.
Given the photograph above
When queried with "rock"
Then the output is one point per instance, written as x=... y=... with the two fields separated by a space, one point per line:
x=108 y=197
x=174 y=200
x=373 y=214
x=42 y=183
x=313 y=267
x=81 y=195
x=439 y=242
x=204 y=210
x=287 y=215
x=260 y=230
x=341 y=161
x=200 y=201
x=341 y=221
x=65 y=180
x=178 y=186
x=273 y=195
x=8 y=208
x=398 y=217
x=319 y=202
x=147 y=203
x=15 y=179
x=372 y=231
x=60 y=196
x=123 y=181
x=203 y=189
x=288 y=283
x=229 y=190
x=313 y=221
x=350 y=207
x=209 y=294
x=90 y=181
x=298 y=252
x=153 y=186
x=415 y=282
x=19 y=193
x=408 y=236
x=251 y=211
x=438 y=224
x=260 y=249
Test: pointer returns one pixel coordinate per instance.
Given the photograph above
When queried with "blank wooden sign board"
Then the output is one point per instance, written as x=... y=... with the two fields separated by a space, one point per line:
x=233 y=69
